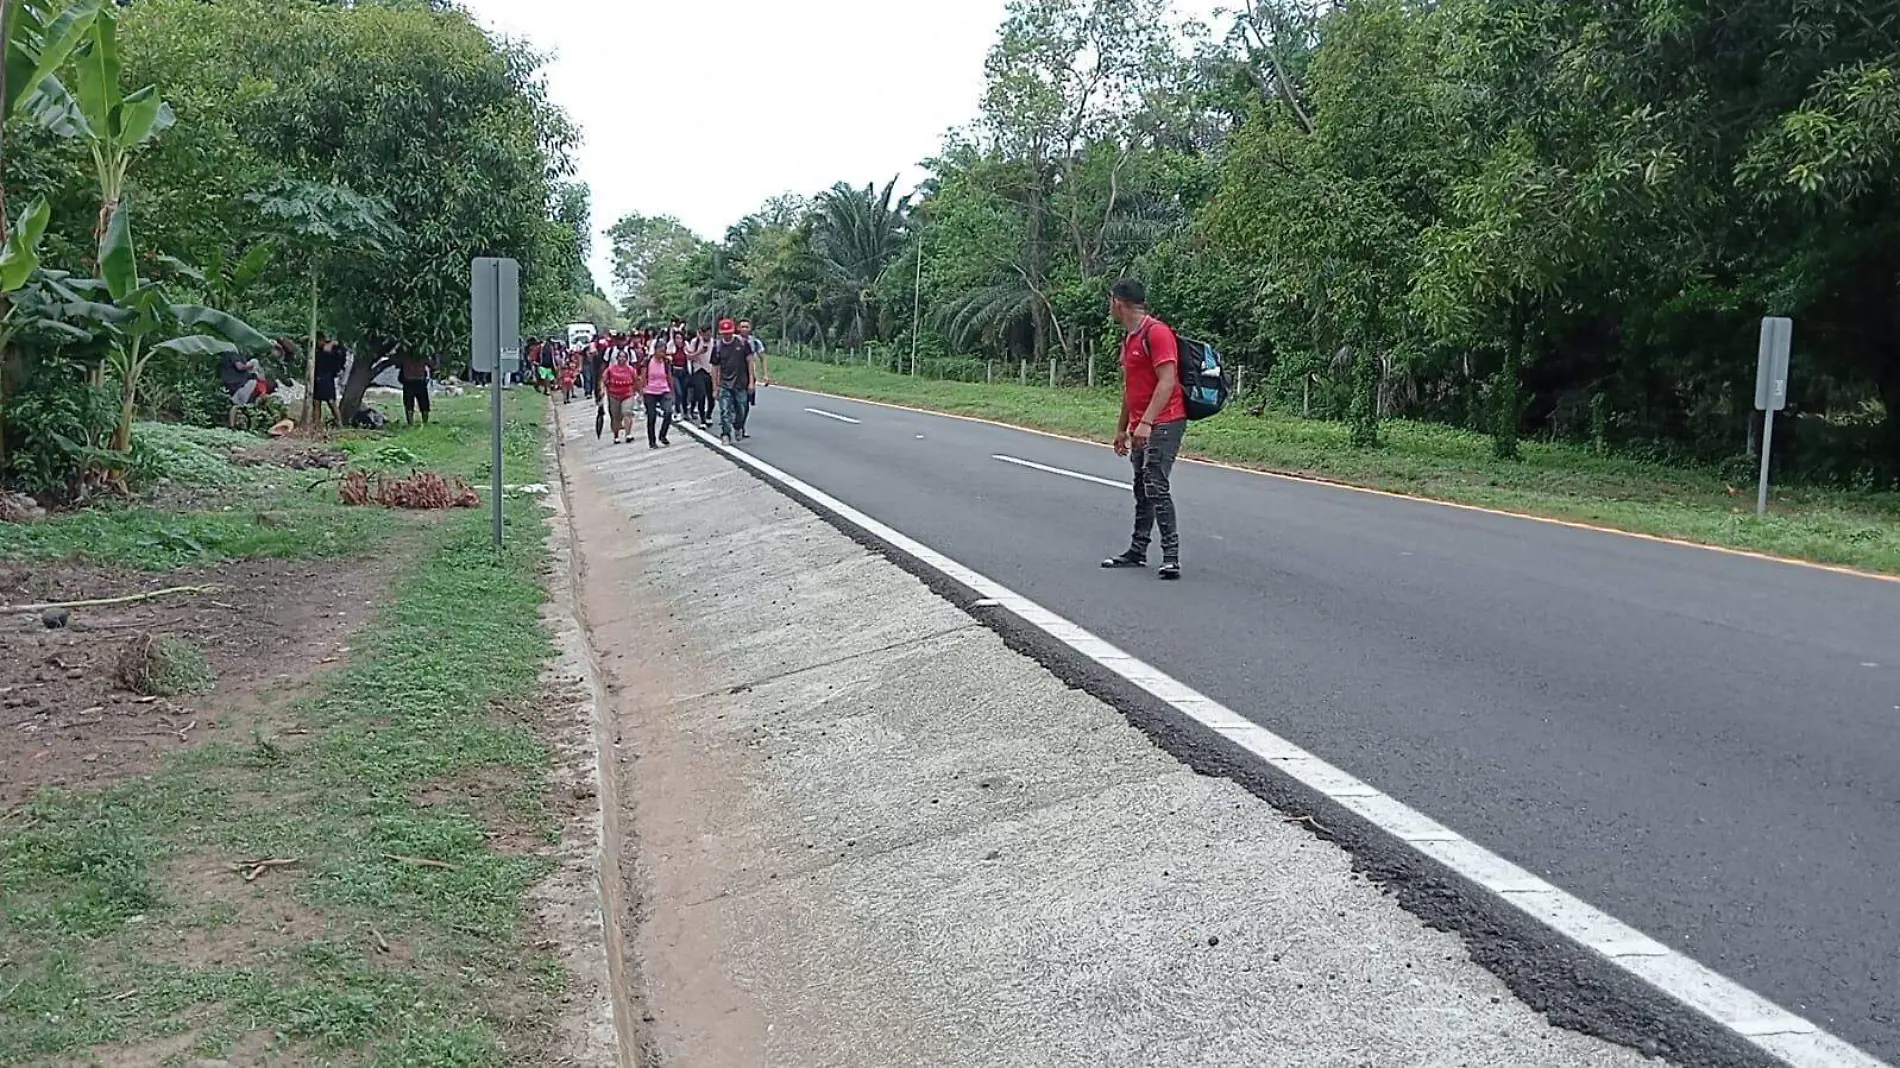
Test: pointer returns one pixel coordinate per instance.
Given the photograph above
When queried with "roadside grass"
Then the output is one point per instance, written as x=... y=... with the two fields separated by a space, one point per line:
x=456 y=441
x=1556 y=481
x=270 y=512
x=410 y=797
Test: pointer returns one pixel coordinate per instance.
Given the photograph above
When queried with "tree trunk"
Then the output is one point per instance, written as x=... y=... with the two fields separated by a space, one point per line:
x=1504 y=430
x=1363 y=408
x=362 y=373
x=313 y=414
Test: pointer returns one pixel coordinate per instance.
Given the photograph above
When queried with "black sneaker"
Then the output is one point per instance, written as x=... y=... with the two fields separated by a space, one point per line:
x=1170 y=572
x=1125 y=560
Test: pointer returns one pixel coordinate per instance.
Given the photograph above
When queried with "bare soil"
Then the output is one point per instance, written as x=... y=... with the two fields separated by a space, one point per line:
x=298 y=454
x=266 y=630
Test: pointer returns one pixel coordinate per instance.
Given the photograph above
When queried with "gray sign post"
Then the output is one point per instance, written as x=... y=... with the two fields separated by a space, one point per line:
x=1771 y=392
x=494 y=304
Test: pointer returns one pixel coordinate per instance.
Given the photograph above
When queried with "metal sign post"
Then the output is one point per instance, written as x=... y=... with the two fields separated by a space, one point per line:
x=494 y=302
x=1771 y=392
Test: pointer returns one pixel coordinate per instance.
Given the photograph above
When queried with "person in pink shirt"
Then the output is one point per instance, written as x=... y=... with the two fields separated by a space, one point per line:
x=657 y=395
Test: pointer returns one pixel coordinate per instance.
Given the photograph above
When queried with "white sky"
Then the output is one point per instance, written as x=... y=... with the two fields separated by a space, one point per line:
x=806 y=92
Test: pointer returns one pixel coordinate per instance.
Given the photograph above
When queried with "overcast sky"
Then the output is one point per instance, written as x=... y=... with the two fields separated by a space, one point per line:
x=804 y=93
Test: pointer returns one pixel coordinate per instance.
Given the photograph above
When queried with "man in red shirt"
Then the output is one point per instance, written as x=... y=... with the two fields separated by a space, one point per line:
x=1153 y=420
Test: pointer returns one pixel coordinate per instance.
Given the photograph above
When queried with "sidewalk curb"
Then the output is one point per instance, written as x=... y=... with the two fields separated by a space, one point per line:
x=591 y=841
x=1574 y=986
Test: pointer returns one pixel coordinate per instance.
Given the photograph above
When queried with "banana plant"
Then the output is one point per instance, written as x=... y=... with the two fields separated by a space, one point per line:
x=19 y=261
x=36 y=39
x=137 y=318
x=20 y=251
x=113 y=124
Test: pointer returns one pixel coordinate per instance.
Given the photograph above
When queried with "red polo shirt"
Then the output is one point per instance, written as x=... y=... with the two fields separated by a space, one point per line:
x=1143 y=352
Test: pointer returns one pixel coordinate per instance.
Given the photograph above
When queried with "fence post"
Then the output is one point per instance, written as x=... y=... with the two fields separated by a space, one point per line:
x=1052 y=372
x=1306 y=397
x=989 y=372
x=1022 y=374
x=1238 y=372
x=1091 y=370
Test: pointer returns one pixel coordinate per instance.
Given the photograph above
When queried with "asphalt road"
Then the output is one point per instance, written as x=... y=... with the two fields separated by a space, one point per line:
x=1704 y=745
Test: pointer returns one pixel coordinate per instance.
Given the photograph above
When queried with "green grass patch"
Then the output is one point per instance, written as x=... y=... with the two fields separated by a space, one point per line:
x=290 y=523
x=457 y=440
x=193 y=455
x=271 y=512
x=388 y=805
x=1557 y=481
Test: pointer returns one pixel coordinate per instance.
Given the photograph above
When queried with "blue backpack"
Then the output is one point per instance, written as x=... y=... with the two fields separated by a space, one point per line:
x=1204 y=384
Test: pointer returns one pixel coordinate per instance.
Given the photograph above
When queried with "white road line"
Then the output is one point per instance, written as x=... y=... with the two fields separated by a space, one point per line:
x=1336 y=484
x=1792 y=1039
x=1065 y=473
x=834 y=415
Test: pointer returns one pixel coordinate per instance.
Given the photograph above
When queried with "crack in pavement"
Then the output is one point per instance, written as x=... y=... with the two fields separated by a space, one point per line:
x=763 y=680
x=984 y=821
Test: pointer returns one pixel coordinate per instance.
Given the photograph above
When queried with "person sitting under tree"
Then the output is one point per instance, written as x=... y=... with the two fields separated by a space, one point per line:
x=242 y=379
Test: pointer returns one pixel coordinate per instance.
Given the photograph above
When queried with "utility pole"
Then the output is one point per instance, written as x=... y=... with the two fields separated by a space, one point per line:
x=917 y=306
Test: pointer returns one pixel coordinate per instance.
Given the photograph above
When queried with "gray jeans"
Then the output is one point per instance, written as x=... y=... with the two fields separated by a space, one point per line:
x=1154 y=497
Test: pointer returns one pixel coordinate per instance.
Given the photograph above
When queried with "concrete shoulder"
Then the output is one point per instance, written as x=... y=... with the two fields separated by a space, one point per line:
x=861 y=830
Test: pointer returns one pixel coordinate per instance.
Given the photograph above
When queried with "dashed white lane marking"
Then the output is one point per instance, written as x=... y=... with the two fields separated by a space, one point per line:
x=834 y=415
x=1066 y=473
x=1790 y=1038
x=1329 y=483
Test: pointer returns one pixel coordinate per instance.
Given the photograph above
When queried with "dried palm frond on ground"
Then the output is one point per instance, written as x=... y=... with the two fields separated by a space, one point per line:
x=421 y=490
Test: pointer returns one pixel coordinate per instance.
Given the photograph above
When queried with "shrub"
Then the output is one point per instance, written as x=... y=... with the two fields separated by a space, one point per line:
x=183 y=389
x=56 y=434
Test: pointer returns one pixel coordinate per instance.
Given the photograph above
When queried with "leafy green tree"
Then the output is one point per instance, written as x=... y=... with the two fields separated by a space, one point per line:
x=414 y=106
x=326 y=228
x=649 y=254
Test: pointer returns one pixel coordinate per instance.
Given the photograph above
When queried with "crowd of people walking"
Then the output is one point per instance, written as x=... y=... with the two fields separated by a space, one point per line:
x=675 y=374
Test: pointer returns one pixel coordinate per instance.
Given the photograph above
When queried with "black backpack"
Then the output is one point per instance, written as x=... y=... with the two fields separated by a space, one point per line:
x=1204 y=384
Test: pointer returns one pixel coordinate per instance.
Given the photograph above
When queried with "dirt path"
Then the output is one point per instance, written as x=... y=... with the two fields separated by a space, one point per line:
x=265 y=631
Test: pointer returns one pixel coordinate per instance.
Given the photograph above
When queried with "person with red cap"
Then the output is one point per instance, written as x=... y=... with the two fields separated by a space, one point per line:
x=734 y=371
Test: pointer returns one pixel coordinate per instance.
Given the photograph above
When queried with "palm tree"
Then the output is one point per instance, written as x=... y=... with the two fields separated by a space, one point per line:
x=714 y=287
x=857 y=234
